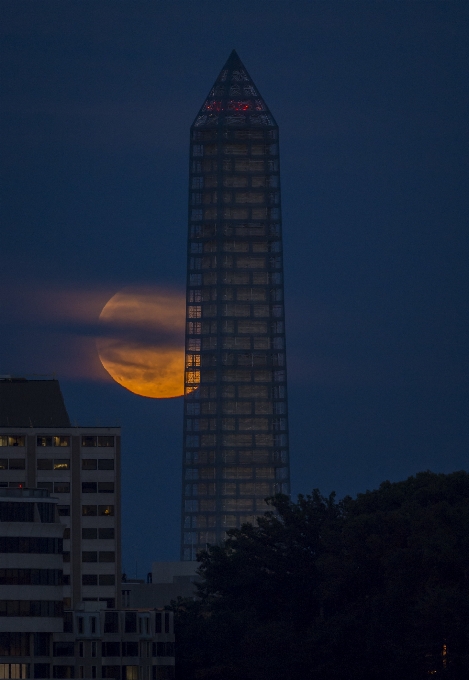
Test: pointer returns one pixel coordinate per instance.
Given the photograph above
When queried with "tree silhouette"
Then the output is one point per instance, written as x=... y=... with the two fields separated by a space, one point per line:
x=365 y=588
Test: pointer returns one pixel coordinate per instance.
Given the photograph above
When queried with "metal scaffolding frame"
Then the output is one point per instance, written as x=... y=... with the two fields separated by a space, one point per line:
x=235 y=407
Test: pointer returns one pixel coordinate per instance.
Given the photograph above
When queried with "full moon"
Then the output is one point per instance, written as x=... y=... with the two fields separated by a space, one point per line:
x=141 y=341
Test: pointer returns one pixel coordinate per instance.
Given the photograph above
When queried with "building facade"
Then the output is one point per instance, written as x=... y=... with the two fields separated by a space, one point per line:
x=31 y=597
x=60 y=578
x=122 y=645
x=235 y=405
x=81 y=467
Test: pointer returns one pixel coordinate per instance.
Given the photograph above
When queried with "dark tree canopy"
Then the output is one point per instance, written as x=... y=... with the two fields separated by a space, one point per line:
x=365 y=588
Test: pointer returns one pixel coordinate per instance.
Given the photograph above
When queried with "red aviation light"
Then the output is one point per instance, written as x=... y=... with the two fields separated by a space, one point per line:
x=213 y=106
x=234 y=105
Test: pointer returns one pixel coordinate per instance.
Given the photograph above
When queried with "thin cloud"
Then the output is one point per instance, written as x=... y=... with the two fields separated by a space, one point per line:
x=60 y=327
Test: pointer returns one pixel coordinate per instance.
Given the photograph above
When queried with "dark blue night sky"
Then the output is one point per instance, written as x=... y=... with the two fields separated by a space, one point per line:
x=372 y=103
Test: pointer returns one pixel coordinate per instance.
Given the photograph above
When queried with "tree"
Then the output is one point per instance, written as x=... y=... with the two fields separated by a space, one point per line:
x=372 y=587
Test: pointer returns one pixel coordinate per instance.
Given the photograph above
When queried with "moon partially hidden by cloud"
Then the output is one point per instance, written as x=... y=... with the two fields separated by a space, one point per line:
x=141 y=341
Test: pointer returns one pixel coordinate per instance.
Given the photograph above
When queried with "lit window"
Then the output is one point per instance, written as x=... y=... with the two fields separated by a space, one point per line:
x=61 y=441
x=192 y=377
x=61 y=464
x=106 y=510
x=15 y=441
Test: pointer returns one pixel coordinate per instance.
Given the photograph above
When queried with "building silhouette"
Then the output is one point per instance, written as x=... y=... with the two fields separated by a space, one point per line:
x=235 y=410
x=60 y=566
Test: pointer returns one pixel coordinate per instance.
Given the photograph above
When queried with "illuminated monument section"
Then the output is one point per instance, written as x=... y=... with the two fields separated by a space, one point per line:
x=235 y=420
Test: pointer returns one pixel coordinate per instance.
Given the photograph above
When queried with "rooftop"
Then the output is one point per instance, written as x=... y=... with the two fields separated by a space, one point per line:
x=32 y=403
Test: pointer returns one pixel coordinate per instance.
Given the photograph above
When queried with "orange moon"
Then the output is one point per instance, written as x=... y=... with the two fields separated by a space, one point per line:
x=141 y=341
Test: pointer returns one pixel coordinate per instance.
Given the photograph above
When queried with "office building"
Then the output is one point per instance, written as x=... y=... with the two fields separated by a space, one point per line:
x=81 y=467
x=123 y=645
x=37 y=638
x=31 y=606
x=235 y=405
x=60 y=588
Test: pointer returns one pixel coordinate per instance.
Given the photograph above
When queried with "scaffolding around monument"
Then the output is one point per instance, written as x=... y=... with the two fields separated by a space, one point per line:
x=235 y=406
